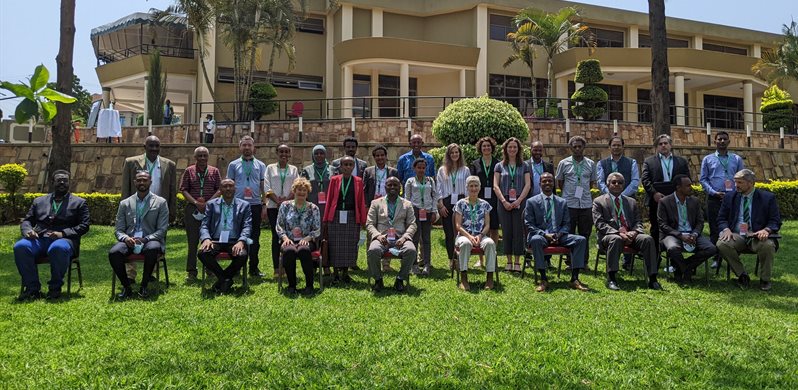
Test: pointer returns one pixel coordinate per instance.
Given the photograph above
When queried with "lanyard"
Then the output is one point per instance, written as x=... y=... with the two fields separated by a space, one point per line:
x=320 y=175
x=422 y=186
x=380 y=178
x=618 y=205
x=283 y=172
x=247 y=169
x=57 y=206
x=299 y=212
x=227 y=210
x=201 y=179
x=667 y=162
x=345 y=188
x=485 y=167
x=538 y=167
x=453 y=176
x=392 y=210
x=472 y=210
x=150 y=166
x=141 y=209
x=578 y=168
x=723 y=162
x=512 y=168
x=614 y=165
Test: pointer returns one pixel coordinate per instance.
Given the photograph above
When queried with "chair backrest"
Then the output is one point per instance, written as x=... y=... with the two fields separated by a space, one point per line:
x=297 y=108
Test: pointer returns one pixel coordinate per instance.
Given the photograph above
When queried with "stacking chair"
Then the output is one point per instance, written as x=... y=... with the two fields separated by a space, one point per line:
x=388 y=255
x=318 y=259
x=552 y=250
x=474 y=251
x=75 y=263
x=602 y=255
x=139 y=258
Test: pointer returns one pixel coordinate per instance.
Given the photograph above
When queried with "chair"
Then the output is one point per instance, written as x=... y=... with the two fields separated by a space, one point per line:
x=474 y=251
x=225 y=256
x=774 y=236
x=602 y=254
x=296 y=110
x=316 y=256
x=75 y=263
x=663 y=254
x=388 y=255
x=139 y=258
x=551 y=250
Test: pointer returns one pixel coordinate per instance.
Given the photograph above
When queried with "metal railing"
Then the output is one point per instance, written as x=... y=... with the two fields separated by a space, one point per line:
x=106 y=57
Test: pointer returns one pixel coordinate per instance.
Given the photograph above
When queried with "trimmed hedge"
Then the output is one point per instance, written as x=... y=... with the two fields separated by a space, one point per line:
x=590 y=101
x=466 y=121
x=776 y=110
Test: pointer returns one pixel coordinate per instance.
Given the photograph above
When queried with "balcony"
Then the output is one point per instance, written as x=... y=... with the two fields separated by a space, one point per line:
x=137 y=34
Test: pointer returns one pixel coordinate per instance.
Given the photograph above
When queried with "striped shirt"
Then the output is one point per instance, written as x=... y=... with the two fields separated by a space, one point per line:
x=444 y=181
x=190 y=182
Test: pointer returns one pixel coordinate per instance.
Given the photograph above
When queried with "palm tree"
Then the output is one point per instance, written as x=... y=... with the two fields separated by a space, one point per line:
x=239 y=26
x=660 y=97
x=282 y=18
x=553 y=32
x=780 y=65
x=525 y=53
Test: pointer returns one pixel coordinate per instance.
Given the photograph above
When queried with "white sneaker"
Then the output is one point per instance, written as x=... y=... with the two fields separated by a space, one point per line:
x=714 y=264
x=670 y=270
x=478 y=264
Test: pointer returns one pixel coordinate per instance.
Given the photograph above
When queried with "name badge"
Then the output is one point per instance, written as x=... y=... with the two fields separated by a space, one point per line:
x=322 y=198
x=453 y=199
x=488 y=192
x=247 y=193
x=578 y=192
x=513 y=195
x=743 y=229
x=224 y=236
x=422 y=215
x=391 y=235
x=728 y=184
x=342 y=217
x=297 y=232
x=138 y=234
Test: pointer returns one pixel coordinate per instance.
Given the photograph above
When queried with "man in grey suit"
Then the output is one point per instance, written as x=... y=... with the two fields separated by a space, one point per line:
x=681 y=222
x=618 y=224
x=141 y=223
x=548 y=221
x=391 y=224
x=226 y=228
x=350 y=149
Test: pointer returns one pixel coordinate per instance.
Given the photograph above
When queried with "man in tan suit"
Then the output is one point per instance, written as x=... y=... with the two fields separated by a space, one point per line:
x=391 y=224
x=163 y=176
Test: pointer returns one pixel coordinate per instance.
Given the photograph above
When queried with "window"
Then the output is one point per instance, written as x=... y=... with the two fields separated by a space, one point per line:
x=644 y=40
x=725 y=49
x=311 y=25
x=361 y=86
x=500 y=26
x=644 y=107
x=606 y=38
x=723 y=111
x=517 y=91
x=392 y=107
x=279 y=80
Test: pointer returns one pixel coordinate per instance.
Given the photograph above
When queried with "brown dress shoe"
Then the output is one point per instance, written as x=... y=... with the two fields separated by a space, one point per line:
x=577 y=285
x=542 y=286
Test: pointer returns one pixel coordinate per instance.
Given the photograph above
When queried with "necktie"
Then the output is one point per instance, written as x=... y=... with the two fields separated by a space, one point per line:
x=747 y=211
x=619 y=211
x=549 y=222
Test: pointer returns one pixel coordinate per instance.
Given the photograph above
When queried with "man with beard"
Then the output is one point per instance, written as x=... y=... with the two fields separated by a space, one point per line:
x=350 y=149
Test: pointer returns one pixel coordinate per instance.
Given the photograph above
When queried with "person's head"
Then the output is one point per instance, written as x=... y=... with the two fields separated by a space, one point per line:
x=511 y=150
x=486 y=146
x=744 y=181
x=380 y=154
x=228 y=189
x=577 y=144
x=616 y=146
x=350 y=146
x=143 y=182
x=246 y=145
x=473 y=185
x=201 y=156
x=416 y=142
x=61 y=181
x=300 y=188
x=420 y=166
x=547 y=183
x=319 y=154
x=684 y=185
x=537 y=150
x=168 y=102
x=663 y=143
x=283 y=154
x=615 y=183
x=452 y=159
x=392 y=186
x=347 y=165
x=722 y=141
x=209 y=116
x=152 y=146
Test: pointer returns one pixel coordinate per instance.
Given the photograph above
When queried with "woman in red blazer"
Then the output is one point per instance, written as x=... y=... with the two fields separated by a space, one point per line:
x=344 y=218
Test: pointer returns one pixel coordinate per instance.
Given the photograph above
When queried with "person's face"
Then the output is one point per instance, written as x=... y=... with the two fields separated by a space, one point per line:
x=346 y=167
x=743 y=186
x=420 y=168
x=473 y=189
x=201 y=157
x=547 y=184
x=380 y=157
x=455 y=154
x=616 y=147
x=512 y=149
x=722 y=142
x=152 y=148
x=350 y=148
x=283 y=154
x=664 y=147
x=686 y=187
x=300 y=193
x=486 y=149
x=416 y=143
x=616 y=185
x=61 y=183
x=577 y=149
x=392 y=188
x=247 y=148
x=143 y=182
x=228 y=189
x=537 y=151
x=319 y=156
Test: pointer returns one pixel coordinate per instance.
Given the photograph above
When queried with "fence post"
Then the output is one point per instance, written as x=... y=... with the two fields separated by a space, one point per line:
x=252 y=129
x=709 y=134
x=149 y=126
x=781 y=137
x=567 y=129
x=614 y=127
x=352 y=121
x=30 y=131
x=201 y=131
x=748 y=134
x=300 y=129
x=409 y=129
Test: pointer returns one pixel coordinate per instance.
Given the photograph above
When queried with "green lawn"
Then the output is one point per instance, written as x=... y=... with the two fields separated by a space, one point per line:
x=433 y=336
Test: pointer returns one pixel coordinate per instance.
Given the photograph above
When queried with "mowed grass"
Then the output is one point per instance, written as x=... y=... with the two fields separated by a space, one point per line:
x=433 y=336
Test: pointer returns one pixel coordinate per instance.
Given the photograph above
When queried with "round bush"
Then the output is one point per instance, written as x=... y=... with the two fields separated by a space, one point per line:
x=590 y=102
x=470 y=153
x=589 y=72
x=775 y=119
x=590 y=93
x=466 y=121
x=261 y=95
x=12 y=176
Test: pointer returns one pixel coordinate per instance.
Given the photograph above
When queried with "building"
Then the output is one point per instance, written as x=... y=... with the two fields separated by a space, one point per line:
x=410 y=58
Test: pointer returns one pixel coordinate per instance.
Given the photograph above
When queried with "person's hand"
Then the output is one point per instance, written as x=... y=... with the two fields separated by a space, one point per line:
x=685 y=237
x=400 y=242
x=549 y=237
x=725 y=235
x=304 y=242
x=56 y=235
x=201 y=206
x=720 y=195
x=443 y=211
x=762 y=235
x=31 y=234
x=130 y=242
x=517 y=204
x=507 y=205
x=238 y=248
x=383 y=239
x=692 y=239
x=206 y=245
x=286 y=243
x=658 y=196
x=475 y=240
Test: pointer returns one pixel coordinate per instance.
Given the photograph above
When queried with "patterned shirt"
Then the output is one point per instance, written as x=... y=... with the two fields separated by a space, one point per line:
x=577 y=175
x=307 y=220
x=473 y=216
x=203 y=184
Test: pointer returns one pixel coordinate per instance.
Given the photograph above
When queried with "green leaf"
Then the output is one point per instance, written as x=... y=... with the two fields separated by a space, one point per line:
x=20 y=90
x=55 y=96
x=25 y=110
x=40 y=78
x=48 y=111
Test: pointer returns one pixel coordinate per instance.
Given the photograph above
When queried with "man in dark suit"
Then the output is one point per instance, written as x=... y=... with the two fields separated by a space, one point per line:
x=547 y=222
x=350 y=149
x=681 y=222
x=747 y=220
x=658 y=172
x=374 y=177
x=226 y=228
x=618 y=224
x=537 y=166
x=52 y=228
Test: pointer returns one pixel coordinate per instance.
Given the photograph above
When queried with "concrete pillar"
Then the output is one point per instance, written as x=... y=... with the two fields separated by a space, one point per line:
x=678 y=91
x=481 y=74
x=188 y=113
x=462 y=84
x=203 y=92
x=375 y=91
x=146 y=101
x=561 y=92
x=346 y=22
x=376 y=22
x=634 y=37
x=107 y=95
x=348 y=92
x=698 y=42
x=756 y=51
x=404 y=88
x=748 y=103
x=630 y=109
x=758 y=114
x=699 y=104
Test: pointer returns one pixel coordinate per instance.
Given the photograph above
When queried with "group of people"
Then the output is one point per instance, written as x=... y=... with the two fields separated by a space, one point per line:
x=341 y=204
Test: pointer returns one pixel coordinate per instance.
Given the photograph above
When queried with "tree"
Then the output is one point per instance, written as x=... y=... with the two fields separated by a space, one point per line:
x=660 y=97
x=156 y=90
x=525 y=53
x=82 y=106
x=553 y=32
x=281 y=27
x=780 y=65
x=590 y=101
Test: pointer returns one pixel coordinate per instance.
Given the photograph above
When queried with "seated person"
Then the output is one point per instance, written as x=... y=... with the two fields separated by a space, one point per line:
x=747 y=218
x=681 y=222
x=225 y=228
x=618 y=224
x=141 y=224
x=298 y=227
x=391 y=224
x=472 y=224
x=51 y=228
x=547 y=222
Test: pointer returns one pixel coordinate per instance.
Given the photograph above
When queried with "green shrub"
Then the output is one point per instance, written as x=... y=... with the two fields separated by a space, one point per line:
x=590 y=101
x=589 y=72
x=776 y=109
x=466 y=121
x=470 y=153
x=547 y=112
x=260 y=96
x=12 y=176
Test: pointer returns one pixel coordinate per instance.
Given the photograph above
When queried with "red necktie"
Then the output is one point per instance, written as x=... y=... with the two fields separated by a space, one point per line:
x=619 y=210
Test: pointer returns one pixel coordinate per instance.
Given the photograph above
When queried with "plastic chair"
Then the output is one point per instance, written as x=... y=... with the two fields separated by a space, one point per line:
x=296 y=110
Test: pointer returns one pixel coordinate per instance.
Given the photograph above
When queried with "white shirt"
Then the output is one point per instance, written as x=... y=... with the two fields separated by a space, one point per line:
x=155 y=175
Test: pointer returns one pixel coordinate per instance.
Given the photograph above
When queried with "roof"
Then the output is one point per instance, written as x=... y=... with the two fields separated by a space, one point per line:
x=121 y=23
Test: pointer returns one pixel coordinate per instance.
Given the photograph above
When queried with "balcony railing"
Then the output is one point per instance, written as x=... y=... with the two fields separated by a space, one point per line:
x=106 y=57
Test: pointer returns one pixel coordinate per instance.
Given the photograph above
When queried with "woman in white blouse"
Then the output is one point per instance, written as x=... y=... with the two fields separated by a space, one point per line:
x=278 y=180
x=451 y=187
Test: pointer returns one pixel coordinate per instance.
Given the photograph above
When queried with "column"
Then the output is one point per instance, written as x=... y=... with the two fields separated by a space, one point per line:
x=346 y=22
x=203 y=91
x=347 y=92
x=701 y=120
x=561 y=92
x=404 y=88
x=679 y=98
x=758 y=114
x=748 y=103
x=329 y=64
x=375 y=91
x=481 y=74
x=146 y=101
x=107 y=95
x=698 y=42
x=756 y=51
x=462 y=84
x=188 y=113
x=376 y=22
x=630 y=109
x=634 y=37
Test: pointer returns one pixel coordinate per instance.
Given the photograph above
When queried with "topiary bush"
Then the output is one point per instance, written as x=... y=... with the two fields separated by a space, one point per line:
x=547 y=112
x=776 y=109
x=590 y=101
x=12 y=176
x=260 y=96
x=466 y=121
x=470 y=153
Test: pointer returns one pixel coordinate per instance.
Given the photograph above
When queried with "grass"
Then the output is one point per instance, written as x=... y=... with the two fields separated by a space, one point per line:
x=433 y=336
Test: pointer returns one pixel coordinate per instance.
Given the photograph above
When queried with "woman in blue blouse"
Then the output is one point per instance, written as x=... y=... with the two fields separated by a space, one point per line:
x=472 y=221
x=298 y=227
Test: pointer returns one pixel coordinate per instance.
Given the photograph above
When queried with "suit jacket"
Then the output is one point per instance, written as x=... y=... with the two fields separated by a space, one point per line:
x=404 y=219
x=359 y=164
x=168 y=180
x=332 y=200
x=604 y=215
x=154 y=223
x=72 y=219
x=370 y=181
x=652 y=174
x=764 y=211
x=548 y=166
x=242 y=219
x=668 y=216
x=535 y=213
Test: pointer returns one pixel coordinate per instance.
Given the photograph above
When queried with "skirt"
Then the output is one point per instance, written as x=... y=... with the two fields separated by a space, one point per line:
x=342 y=240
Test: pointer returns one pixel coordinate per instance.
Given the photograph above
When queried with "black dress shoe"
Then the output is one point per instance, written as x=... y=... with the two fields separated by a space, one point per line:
x=54 y=294
x=126 y=293
x=226 y=285
x=654 y=285
x=765 y=285
x=398 y=285
x=256 y=273
x=143 y=291
x=307 y=290
x=290 y=290
x=378 y=285
x=612 y=285
x=346 y=278
x=29 y=295
x=744 y=281
x=354 y=268
x=131 y=281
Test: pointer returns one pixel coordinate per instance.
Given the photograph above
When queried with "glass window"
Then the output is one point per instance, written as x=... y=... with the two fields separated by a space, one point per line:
x=500 y=25
x=606 y=38
x=644 y=40
x=517 y=91
x=723 y=111
x=311 y=25
x=725 y=49
x=391 y=107
x=644 y=106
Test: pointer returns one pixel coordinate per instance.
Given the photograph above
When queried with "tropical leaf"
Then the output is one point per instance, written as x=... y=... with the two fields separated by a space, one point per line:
x=40 y=78
x=55 y=96
x=26 y=110
x=20 y=90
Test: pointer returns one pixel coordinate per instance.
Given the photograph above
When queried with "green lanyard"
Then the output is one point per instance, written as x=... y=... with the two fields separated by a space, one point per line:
x=512 y=169
x=667 y=163
x=453 y=176
x=472 y=211
x=283 y=173
x=485 y=167
x=724 y=163
x=345 y=188
x=618 y=207
x=150 y=166
x=202 y=180
x=422 y=186
x=392 y=210
x=538 y=167
x=320 y=175
x=614 y=165
x=57 y=206
x=247 y=169
x=578 y=168
x=226 y=212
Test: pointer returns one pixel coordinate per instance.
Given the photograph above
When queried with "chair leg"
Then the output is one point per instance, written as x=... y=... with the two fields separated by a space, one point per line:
x=80 y=275
x=756 y=267
x=244 y=278
x=113 y=284
x=595 y=266
x=321 y=275
x=202 y=282
x=632 y=265
x=559 y=265
x=165 y=271
x=728 y=271
x=706 y=271
x=69 y=281
x=280 y=274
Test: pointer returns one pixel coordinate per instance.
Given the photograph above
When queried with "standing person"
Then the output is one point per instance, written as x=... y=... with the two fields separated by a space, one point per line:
x=537 y=166
x=483 y=168
x=420 y=191
x=657 y=177
x=168 y=112
x=576 y=174
x=53 y=228
x=374 y=177
x=405 y=163
x=511 y=186
x=343 y=219
x=391 y=225
x=318 y=173
x=451 y=187
x=472 y=221
x=248 y=173
x=627 y=167
x=717 y=179
x=350 y=149
x=141 y=223
x=199 y=184
x=163 y=178
x=279 y=179
x=298 y=227
x=210 y=128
